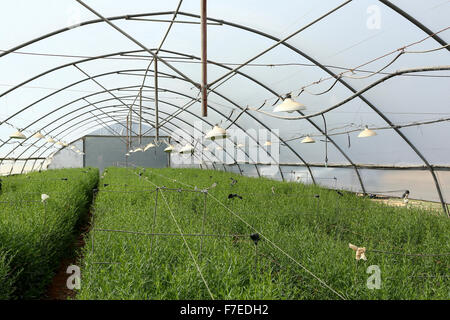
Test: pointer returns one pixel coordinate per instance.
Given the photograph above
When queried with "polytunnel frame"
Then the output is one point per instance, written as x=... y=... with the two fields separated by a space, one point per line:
x=115 y=120
x=339 y=79
x=115 y=98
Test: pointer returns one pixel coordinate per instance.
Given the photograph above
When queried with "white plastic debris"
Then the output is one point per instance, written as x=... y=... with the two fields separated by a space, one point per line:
x=360 y=252
x=44 y=197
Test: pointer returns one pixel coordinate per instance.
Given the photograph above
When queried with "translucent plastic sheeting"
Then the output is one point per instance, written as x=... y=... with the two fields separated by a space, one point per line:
x=351 y=43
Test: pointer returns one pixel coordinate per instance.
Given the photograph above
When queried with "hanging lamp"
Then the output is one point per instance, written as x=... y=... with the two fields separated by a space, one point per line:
x=169 y=149
x=51 y=140
x=187 y=149
x=17 y=135
x=38 y=135
x=150 y=145
x=216 y=133
x=367 y=133
x=308 y=139
x=289 y=105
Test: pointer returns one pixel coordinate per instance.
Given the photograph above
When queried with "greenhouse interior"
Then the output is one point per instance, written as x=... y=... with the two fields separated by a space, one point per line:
x=203 y=150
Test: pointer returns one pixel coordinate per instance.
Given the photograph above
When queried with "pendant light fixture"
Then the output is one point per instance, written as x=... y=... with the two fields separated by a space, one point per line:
x=38 y=135
x=187 y=149
x=150 y=145
x=308 y=139
x=17 y=135
x=216 y=133
x=289 y=105
x=51 y=140
x=367 y=133
x=169 y=149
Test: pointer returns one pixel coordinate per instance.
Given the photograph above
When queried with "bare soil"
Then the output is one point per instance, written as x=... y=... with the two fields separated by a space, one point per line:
x=58 y=290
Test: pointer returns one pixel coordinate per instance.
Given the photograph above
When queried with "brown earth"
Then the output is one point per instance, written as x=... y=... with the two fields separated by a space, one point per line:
x=58 y=290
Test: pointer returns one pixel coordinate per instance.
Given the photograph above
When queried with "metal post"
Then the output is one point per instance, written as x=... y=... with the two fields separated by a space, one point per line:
x=84 y=151
x=127 y=144
x=140 y=116
x=154 y=221
x=203 y=224
x=204 y=84
x=156 y=100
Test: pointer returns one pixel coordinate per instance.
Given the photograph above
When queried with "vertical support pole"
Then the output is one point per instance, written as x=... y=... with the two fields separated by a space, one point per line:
x=203 y=223
x=140 y=116
x=127 y=146
x=154 y=222
x=204 y=85
x=84 y=151
x=257 y=171
x=156 y=101
x=95 y=191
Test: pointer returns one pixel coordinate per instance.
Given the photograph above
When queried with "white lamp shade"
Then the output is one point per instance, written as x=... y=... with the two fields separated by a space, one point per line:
x=17 y=135
x=169 y=149
x=289 y=105
x=216 y=133
x=50 y=140
x=367 y=133
x=150 y=145
x=38 y=135
x=187 y=149
x=308 y=139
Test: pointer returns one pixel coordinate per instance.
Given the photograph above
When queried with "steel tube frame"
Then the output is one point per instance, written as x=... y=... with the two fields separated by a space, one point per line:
x=243 y=28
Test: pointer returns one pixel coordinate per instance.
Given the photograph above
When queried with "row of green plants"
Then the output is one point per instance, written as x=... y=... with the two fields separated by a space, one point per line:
x=300 y=226
x=36 y=234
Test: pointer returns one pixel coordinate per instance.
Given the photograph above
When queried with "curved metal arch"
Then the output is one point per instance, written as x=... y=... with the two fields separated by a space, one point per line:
x=134 y=51
x=353 y=90
x=88 y=121
x=416 y=22
x=90 y=77
x=202 y=119
x=73 y=111
x=250 y=30
x=275 y=39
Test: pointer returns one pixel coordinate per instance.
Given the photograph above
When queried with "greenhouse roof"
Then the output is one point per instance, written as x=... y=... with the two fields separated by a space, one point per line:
x=70 y=67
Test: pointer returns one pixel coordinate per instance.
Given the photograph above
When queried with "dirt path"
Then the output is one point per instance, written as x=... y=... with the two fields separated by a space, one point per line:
x=58 y=290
